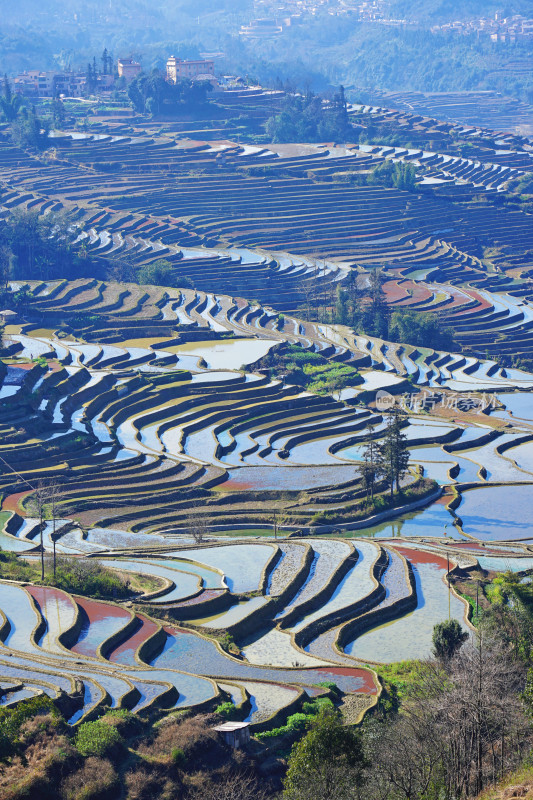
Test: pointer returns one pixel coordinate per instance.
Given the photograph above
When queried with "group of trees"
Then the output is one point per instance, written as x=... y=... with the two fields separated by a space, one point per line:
x=311 y=118
x=387 y=460
x=45 y=247
x=459 y=724
x=391 y=174
x=40 y=247
x=366 y=310
x=27 y=128
x=309 y=370
x=157 y=273
x=150 y=93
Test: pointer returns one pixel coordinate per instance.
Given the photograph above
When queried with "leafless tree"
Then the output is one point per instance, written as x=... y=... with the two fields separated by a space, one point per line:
x=53 y=498
x=233 y=786
x=39 y=497
x=198 y=528
x=461 y=727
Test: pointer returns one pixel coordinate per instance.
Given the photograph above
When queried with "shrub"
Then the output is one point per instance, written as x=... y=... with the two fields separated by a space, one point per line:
x=96 y=779
x=12 y=719
x=299 y=722
x=193 y=735
x=89 y=577
x=123 y=720
x=144 y=785
x=227 y=641
x=97 y=738
x=178 y=757
x=226 y=710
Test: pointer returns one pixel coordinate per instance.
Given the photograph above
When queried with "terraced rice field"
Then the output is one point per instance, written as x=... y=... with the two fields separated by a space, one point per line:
x=237 y=492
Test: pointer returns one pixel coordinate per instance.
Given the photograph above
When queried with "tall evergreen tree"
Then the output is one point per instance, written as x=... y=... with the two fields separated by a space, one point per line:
x=371 y=468
x=394 y=453
x=342 y=312
x=9 y=102
x=375 y=316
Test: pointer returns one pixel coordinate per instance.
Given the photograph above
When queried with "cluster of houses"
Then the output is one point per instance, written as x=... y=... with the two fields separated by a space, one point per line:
x=499 y=28
x=66 y=83
x=277 y=16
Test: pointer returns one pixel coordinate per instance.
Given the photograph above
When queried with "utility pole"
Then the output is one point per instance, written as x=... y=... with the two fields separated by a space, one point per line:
x=54 y=497
x=40 y=506
x=449 y=588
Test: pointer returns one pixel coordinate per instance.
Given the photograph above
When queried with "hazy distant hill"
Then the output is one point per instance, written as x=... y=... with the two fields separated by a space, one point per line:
x=441 y=10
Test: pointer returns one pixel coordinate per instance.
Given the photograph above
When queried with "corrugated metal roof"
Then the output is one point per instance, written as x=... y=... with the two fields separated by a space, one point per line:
x=227 y=727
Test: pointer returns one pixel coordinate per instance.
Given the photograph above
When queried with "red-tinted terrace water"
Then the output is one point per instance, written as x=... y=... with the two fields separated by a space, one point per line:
x=125 y=652
x=100 y=621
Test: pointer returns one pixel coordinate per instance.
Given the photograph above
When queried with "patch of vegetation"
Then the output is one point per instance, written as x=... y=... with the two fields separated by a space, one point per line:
x=88 y=577
x=366 y=311
x=14 y=568
x=310 y=119
x=76 y=575
x=367 y=507
x=96 y=738
x=150 y=93
x=389 y=174
x=297 y=723
x=228 y=710
x=309 y=370
x=161 y=273
x=399 y=676
x=12 y=720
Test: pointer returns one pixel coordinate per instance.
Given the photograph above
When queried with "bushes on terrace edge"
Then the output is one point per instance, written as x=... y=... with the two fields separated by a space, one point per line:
x=309 y=119
x=399 y=175
x=327 y=764
x=12 y=719
x=88 y=577
x=298 y=722
x=227 y=710
x=151 y=94
x=96 y=738
x=14 y=568
x=369 y=315
x=40 y=247
x=310 y=370
x=96 y=778
x=381 y=502
x=161 y=273
x=77 y=575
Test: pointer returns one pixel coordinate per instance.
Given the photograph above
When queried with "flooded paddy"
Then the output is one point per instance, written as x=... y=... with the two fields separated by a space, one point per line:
x=99 y=622
x=184 y=586
x=226 y=354
x=498 y=513
x=410 y=636
x=434 y=520
x=273 y=478
x=242 y=570
x=196 y=654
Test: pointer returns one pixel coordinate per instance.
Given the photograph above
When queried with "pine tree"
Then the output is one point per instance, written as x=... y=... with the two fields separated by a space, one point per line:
x=371 y=467
x=375 y=317
x=341 y=306
x=394 y=453
x=9 y=103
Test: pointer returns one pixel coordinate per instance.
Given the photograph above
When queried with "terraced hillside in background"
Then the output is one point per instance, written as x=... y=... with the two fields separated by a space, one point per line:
x=229 y=497
x=283 y=225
